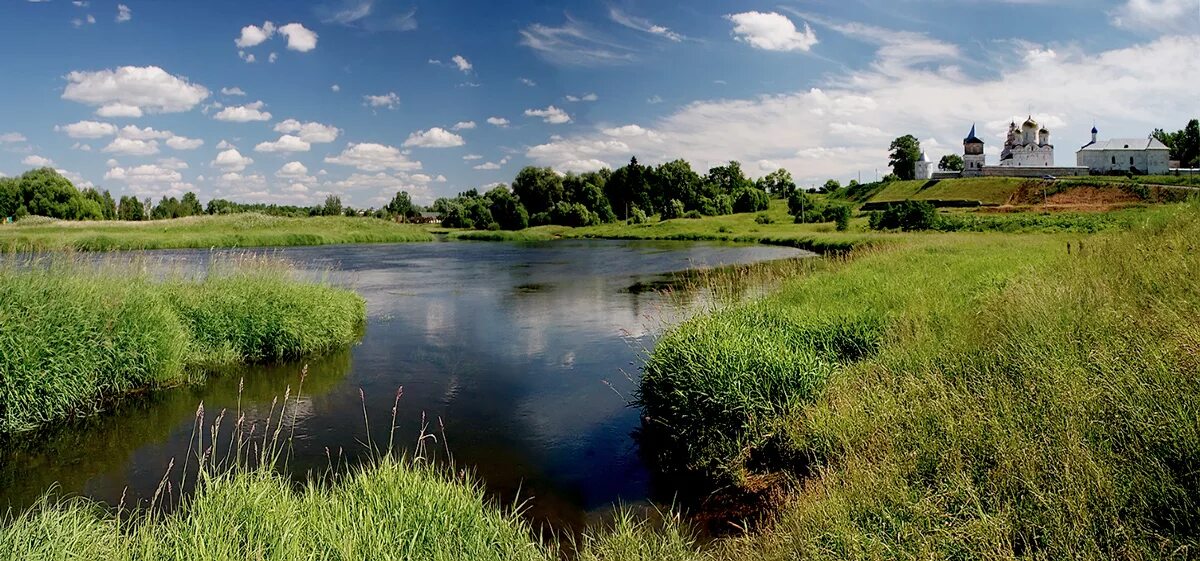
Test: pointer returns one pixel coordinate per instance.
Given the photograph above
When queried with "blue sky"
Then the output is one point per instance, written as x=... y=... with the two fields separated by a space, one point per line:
x=366 y=97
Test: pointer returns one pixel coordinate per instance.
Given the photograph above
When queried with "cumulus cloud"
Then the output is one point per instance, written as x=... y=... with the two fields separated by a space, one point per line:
x=487 y=166
x=528 y=82
x=132 y=147
x=294 y=171
x=844 y=127
x=463 y=125
x=286 y=143
x=124 y=14
x=551 y=114
x=771 y=31
x=233 y=91
x=37 y=161
x=498 y=121
x=87 y=129
x=145 y=174
x=243 y=113
x=132 y=90
x=368 y=156
x=469 y=157
x=134 y=132
x=12 y=137
x=118 y=110
x=435 y=137
x=231 y=160
x=184 y=143
x=389 y=100
x=335 y=88
x=1156 y=15
x=299 y=38
x=461 y=63
x=312 y=132
x=253 y=35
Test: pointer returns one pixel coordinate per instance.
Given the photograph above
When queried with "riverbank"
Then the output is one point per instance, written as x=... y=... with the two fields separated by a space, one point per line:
x=961 y=395
x=77 y=334
x=221 y=231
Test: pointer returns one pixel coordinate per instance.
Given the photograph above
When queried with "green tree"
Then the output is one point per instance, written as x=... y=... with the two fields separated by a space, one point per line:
x=729 y=178
x=506 y=210
x=831 y=186
x=588 y=190
x=189 y=205
x=10 y=198
x=905 y=215
x=951 y=162
x=906 y=150
x=332 y=206
x=1189 y=145
x=401 y=206
x=538 y=188
x=673 y=209
x=675 y=180
x=751 y=199
x=778 y=183
x=131 y=209
x=629 y=187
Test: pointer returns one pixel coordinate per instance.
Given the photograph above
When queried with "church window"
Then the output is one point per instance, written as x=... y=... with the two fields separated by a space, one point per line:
x=1114 y=159
x=1131 y=160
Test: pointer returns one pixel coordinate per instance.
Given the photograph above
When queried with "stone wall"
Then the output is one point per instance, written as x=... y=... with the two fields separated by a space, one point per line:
x=1104 y=161
x=1007 y=171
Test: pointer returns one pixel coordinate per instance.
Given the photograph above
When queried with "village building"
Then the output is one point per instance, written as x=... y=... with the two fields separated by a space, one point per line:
x=1124 y=155
x=923 y=169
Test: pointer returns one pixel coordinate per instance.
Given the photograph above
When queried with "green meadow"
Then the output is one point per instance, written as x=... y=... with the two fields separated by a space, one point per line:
x=230 y=230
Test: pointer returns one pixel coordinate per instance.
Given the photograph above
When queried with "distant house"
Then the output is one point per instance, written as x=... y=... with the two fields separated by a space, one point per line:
x=426 y=218
x=1134 y=155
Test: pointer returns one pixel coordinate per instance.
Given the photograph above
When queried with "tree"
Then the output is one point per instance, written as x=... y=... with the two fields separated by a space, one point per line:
x=751 y=199
x=506 y=210
x=951 y=162
x=538 y=188
x=675 y=180
x=778 y=183
x=332 y=206
x=189 y=205
x=831 y=186
x=10 y=198
x=131 y=209
x=401 y=206
x=905 y=215
x=673 y=209
x=1189 y=145
x=906 y=150
x=628 y=187
x=588 y=190
x=729 y=178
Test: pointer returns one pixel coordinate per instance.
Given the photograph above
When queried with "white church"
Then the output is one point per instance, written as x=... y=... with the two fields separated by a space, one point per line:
x=1028 y=152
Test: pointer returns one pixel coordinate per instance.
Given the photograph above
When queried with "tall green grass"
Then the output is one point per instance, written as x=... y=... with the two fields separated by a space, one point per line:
x=1023 y=401
x=74 y=334
x=232 y=230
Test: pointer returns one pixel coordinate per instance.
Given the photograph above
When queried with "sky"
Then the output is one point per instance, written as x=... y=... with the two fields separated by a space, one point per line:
x=289 y=101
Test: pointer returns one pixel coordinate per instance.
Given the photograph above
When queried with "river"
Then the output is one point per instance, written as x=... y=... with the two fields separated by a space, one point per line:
x=522 y=357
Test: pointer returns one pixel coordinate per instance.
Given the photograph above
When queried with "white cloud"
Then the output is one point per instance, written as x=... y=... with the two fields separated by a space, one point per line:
x=435 y=137
x=173 y=163
x=231 y=160
x=299 y=38
x=335 y=88
x=654 y=100
x=37 y=161
x=82 y=147
x=132 y=90
x=135 y=133
x=76 y=179
x=253 y=35
x=463 y=126
x=312 y=132
x=224 y=145
x=487 y=166
x=771 y=31
x=271 y=58
x=184 y=143
x=286 y=143
x=843 y=128
x=643 y=24
x=368 y=156
x=233 y=91
x=145 y=174
x=498 y=121
x=573 y=43
x=124 y=14
x=389 y=100
x=243 y=113
x=248 y=57
x=584 y=97
x=470 y=157
x=132 y=147
x=551 y=114
x=462 y=63
x=628 y=131
x=1156 y=16
x=294 y=171
x=117 y=110
x=87 y=129
x=80 y=22
x=11 y=137
x=528 y=82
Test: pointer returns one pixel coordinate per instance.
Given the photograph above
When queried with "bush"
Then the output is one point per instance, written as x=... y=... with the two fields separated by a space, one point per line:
x=763 y=218
x=637 y=216
x=906 y=215
x=673 y=209
x=841 y=216
x=751 y=199
x=693 y=215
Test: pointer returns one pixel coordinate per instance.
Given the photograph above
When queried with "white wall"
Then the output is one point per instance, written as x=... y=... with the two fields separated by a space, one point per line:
x=1104 y=161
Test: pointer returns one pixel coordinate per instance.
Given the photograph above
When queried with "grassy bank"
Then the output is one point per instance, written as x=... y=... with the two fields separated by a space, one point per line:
x=233 y=230
x=962 y=396
x=74 y=334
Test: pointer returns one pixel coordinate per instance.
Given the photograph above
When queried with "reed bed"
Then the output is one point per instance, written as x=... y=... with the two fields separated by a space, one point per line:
x=76 y=333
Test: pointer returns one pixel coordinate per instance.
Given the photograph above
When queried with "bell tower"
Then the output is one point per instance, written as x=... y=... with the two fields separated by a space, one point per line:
x=973 y=158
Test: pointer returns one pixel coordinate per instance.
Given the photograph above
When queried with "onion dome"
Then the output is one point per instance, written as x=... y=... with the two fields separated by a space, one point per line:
x=1030 y=123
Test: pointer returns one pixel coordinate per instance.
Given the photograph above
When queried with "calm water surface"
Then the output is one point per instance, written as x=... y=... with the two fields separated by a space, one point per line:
x=522 y=357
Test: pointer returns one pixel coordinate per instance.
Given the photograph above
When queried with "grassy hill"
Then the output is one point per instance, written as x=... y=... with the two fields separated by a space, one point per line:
x=986 y=190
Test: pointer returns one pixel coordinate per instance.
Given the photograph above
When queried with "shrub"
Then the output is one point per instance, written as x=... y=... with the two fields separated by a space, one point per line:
x=841 y=216
x=905 y=215
x=637 y=216
x=673 y=209
x=751 y=199
x=693 y=215
x=763 y=218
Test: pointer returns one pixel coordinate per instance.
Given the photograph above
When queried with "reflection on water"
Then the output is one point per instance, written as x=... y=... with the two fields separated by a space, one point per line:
x=526 y=352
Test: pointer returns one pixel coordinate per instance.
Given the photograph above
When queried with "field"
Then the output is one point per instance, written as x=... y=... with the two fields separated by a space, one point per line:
x=76 y=334
x=985 y=190
x=992 y=191
x=232 y=230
